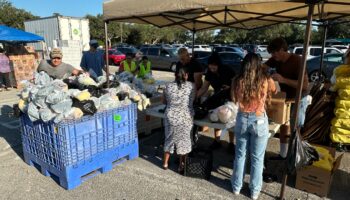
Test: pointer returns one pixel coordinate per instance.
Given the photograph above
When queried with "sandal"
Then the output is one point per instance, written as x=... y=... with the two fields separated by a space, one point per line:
x=165 y=167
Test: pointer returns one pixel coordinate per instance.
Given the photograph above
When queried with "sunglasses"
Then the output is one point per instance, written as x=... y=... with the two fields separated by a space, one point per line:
x=56 y=58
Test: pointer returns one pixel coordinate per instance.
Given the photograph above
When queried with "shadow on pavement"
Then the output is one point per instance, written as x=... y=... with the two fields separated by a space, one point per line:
x=10 y=129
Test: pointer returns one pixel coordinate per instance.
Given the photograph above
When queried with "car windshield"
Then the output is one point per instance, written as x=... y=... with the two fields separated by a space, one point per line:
x=115 y=52
x=172 y=51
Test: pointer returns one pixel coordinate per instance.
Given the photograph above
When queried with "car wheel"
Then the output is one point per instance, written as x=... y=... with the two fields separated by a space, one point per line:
x=315 y=76
x=173 y=67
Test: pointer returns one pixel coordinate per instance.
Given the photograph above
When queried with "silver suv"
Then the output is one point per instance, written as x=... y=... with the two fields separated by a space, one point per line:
x=161 y=58
x=315 y=51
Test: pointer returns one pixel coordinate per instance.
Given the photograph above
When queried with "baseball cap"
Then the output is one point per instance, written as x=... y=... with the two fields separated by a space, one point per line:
x=56 y=53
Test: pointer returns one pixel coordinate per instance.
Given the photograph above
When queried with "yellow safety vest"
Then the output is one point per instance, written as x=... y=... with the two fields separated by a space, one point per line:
x=143 y=71
x=127 y=68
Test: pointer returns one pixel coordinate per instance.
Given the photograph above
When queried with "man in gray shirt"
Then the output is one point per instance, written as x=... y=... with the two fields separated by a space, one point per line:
x=55 y=67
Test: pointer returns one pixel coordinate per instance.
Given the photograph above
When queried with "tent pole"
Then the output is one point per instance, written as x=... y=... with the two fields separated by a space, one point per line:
x=294 y=126
x=193 y=35
x=106 y=52
x=325 y=30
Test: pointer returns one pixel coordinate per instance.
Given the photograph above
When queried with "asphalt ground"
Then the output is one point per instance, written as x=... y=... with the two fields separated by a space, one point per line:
x=143 y=177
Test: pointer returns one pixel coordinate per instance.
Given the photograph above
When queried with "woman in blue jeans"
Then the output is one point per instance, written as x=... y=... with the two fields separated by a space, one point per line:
x=250 y=90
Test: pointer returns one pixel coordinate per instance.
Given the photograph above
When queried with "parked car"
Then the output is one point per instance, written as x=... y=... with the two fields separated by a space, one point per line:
x=199 y=48
x=330 y=62
x=315 y=51
x=229 y=49
x=128 y=49
x=262 y=48
x=115 y=56
x=264 y=54
x=161 y=58
x=342 y=48
x=201 y=54
x=230 y=59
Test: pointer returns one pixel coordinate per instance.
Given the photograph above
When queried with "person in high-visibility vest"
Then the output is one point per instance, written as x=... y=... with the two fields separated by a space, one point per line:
x=144 y=67
x=128 y=64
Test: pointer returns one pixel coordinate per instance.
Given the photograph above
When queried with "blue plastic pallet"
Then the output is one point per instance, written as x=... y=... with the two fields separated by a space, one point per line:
x=72 y=176
x=70 y=142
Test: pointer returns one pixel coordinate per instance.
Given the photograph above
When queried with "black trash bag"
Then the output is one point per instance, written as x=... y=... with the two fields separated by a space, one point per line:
x=200 y=112
x=302 y=154
x=112 y=84
x=96 y=91
x=71 y=83
x=216 y=100
x=88 y=106
x=122 y=95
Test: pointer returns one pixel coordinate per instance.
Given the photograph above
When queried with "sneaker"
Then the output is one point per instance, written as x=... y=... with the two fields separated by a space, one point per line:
x=215 y=145
x=236 y=192
x=255 y=196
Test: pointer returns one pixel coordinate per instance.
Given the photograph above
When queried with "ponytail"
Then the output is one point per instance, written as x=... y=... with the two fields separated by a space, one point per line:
x=180 y=77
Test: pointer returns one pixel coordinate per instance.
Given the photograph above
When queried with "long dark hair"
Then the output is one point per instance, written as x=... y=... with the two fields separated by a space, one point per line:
x=180 y=77
x=251 y=78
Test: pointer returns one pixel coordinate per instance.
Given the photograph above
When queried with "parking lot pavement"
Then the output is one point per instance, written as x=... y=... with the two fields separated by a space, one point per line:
x=142 y=178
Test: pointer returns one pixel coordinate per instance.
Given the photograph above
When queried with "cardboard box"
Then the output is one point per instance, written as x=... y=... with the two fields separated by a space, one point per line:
x=316 y=180
x=278 y=110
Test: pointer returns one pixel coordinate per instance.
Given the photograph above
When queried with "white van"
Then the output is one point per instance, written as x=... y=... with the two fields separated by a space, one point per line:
x=315 y=51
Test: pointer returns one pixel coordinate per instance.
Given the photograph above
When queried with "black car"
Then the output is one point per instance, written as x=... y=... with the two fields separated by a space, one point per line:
x=330 y=62
x=230 y=59
x=201 y=54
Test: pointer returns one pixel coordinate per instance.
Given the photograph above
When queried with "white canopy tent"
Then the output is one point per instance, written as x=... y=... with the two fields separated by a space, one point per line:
x=198 y=15
x=208 y=14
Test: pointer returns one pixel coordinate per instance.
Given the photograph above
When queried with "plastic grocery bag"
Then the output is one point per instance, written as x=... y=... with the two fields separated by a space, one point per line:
x=59 y=85
x=33 y=112
x=56 y=96
x=342 y=113
x=62 y=106
x=42 y=78
x=302 y=154
x=96 y=102
x=46 y=114
x=344 y=94
x=86 y=80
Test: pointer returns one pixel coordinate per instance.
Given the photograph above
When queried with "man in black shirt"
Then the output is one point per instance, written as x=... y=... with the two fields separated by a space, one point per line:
x=219 y=77
x=195 y=69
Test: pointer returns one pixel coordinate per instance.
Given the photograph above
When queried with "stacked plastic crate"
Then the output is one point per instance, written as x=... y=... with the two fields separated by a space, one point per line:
x=72 y=150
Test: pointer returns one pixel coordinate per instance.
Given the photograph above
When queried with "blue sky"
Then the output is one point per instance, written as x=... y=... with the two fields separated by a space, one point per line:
x=45 y=8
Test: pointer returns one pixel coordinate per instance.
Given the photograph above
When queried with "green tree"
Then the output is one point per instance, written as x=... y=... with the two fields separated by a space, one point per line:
x=339 y=31
x=12 y=16
x=134 y=37
x=97 y=30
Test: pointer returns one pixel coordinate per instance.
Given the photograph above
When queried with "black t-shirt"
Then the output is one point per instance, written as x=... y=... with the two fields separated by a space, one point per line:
x=193 y=67
x=223 y=77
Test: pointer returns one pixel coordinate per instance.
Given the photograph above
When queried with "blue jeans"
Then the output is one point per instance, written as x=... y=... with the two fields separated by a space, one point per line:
x=252 y=133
